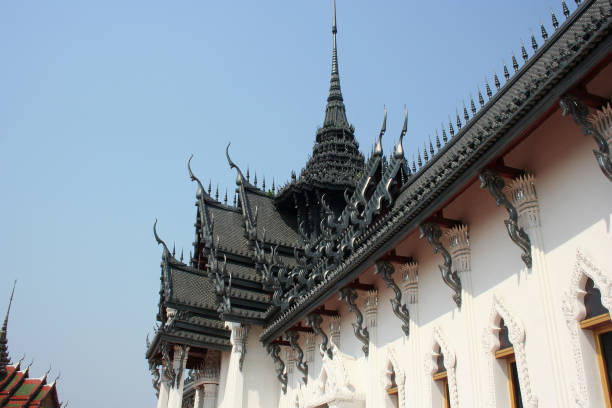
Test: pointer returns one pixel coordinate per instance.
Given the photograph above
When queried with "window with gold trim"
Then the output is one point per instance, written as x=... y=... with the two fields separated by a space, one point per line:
x=392 y=391
x=598 y=321
x=506 y=352
x=441 y=377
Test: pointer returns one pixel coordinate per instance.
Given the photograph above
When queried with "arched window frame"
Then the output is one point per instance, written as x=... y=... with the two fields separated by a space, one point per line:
x=574 y=311
x=440 y=346
x=390 y=367
x=516 y=335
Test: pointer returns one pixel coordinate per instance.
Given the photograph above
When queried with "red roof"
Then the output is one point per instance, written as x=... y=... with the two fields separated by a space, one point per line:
x=17 y=390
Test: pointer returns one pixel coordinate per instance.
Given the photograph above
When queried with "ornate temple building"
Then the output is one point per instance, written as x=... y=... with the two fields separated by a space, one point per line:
x=477 y=275
x=17 y=389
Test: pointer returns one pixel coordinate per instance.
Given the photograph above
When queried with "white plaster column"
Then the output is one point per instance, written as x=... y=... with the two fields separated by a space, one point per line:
x=414 y=380
x=374 y=396
x=334 y=330
x=175 y=398
x=524 y=197
x=198 y=399
x=234 y=385
x=459 y=246
x=210 y=395
x=164 y=389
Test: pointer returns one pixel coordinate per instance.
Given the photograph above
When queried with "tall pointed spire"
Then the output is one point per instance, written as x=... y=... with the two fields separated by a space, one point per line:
x=4 y=354
x=335 y=113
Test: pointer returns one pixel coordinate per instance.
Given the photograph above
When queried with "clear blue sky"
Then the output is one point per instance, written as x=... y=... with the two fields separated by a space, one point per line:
x=103 y=102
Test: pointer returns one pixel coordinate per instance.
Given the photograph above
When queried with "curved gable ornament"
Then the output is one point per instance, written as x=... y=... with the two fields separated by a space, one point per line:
x=391 y=366
x=338 y=384
x=516 y=335
x=450 y=362
x=575 y=311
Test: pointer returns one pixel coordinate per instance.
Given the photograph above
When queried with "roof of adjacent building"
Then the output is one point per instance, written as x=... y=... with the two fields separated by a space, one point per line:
x=18 y=390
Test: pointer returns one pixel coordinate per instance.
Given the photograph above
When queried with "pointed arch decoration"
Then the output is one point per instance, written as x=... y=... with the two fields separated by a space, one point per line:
x=450 y=362
x=516 y=334
x=390 y=366
x=574 y=311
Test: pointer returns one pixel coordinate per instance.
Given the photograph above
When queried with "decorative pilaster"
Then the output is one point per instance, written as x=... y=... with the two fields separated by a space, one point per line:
x=599 y=126
x=175 y=398
x=370 y=307
x=432 y=232
x=290 y=359
x=309 y=347
x=385 y=269
x=235 y=379
x=523 y=194
x=459 y=247
x=410 y=283
x=240 y=337
x=334 y=332
x=496 y=184
x=349 y=296
x=410 y=287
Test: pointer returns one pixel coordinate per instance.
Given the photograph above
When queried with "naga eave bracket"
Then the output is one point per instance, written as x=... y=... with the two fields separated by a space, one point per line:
x=348 y=294
x=274 y=349
x=314 y=320
x=293 y=336
x=599 y=126
x=386 y=269
x=495 y=184
x=433 y=233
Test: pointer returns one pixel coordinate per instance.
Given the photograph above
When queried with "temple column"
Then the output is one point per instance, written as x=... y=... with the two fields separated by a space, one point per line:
x=414 y=377
x=234 y=386
x=198 y=400
x=523 y=195
x=175 y=398
x=374 y=396
x=164 y=389
x=459 y=248
x=211 y=390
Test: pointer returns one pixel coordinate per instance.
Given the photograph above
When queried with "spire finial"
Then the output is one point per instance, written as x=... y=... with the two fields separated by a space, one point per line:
x=334 y=27
x=4 y=354
x=335 y=112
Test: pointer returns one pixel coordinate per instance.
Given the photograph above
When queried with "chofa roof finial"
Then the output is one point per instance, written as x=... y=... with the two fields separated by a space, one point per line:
x=378 y=149
x=240 y=177
x=158 y=239
x=399 y=149
x=194 y=178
